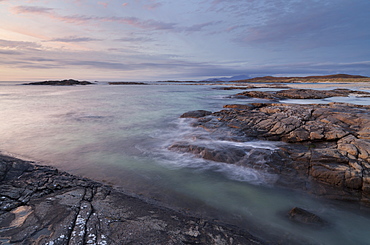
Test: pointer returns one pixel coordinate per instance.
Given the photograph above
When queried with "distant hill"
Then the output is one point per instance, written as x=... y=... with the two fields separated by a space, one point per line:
x=295 y=79
x=226 y=79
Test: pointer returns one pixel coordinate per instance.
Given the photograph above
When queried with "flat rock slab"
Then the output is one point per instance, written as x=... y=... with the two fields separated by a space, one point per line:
x=325 y=148
x=41 y=205
x=301 y=94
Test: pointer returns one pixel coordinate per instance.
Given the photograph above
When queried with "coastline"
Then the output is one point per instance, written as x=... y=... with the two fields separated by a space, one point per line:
x=84 y=202
x=42 y=205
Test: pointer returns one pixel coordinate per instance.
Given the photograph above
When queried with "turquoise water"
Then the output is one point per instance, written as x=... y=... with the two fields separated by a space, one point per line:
x=119 y=135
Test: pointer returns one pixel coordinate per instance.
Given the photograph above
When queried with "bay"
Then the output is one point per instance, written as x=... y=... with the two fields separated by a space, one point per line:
x=119 y=135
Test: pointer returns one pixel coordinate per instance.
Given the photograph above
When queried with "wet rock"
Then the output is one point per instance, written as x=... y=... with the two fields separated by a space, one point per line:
x=41 y=205
x=305 y=217
x=196 y=114
x=257 y=94
x=326 y=145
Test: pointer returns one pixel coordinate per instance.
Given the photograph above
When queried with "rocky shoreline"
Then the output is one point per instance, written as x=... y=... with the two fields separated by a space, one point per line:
x=322 y=148
x=41 y=205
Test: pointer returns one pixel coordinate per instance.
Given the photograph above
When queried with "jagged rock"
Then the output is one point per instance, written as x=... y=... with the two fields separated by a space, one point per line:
x=324 y=143
x=41 y=205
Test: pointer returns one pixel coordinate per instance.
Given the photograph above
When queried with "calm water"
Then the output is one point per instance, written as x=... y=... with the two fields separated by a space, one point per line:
x=119 y=135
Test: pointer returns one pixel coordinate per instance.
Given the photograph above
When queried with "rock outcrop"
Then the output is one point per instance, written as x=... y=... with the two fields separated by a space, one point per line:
x=41 y=205
x=325 y=148
x=196 y=114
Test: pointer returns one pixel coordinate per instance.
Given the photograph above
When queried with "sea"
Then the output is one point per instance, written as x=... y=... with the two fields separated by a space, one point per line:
x=120 y=134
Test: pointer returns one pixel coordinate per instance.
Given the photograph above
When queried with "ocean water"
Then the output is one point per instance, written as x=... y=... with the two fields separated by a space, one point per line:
x=120 y=135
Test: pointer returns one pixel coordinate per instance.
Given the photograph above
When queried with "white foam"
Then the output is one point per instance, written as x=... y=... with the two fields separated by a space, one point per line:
x=182 y=132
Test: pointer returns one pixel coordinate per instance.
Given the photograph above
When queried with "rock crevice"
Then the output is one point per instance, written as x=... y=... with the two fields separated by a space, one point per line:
x=41 y=205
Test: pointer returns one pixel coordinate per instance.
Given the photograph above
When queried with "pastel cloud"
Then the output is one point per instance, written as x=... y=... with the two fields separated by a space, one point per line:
x=185 y=39
x=32 y=10
x=153 y=6
x=104 y=4
x=8 y=44
x=73 y=39
x=79 y=19
x=149 y=24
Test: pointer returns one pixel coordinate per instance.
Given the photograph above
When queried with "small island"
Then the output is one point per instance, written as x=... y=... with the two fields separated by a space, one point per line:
x=66 y=82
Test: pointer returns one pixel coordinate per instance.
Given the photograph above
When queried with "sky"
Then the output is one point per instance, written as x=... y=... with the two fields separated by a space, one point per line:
x=151 y=40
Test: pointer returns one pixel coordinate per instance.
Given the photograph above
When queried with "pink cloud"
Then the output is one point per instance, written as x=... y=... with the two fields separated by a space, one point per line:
x=8 y=44
x=153 y=6
x=131 y=21
x=124 y=4
x=77 y=19
x=104 y=4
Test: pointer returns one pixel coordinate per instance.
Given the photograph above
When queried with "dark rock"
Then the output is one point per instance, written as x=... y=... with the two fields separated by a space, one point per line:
x=235 y=87
x=257 y=94
x=68 y=82
x=228 y=155
x=41 y=205
x=305 y=217
x=242 y=107
x=196 y=114
x=327 y=146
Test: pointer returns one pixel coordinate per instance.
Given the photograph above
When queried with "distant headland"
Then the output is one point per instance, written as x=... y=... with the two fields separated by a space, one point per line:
x=326 y=78
x=66 y=82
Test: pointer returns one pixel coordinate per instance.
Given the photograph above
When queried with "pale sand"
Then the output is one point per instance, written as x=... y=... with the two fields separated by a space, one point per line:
x=361 y=85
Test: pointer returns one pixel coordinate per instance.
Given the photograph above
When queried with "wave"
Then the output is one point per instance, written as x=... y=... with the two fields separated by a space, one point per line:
x=157 y=148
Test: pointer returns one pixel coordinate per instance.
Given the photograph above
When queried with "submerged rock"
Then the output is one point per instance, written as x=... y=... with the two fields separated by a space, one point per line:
x=305 y=217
